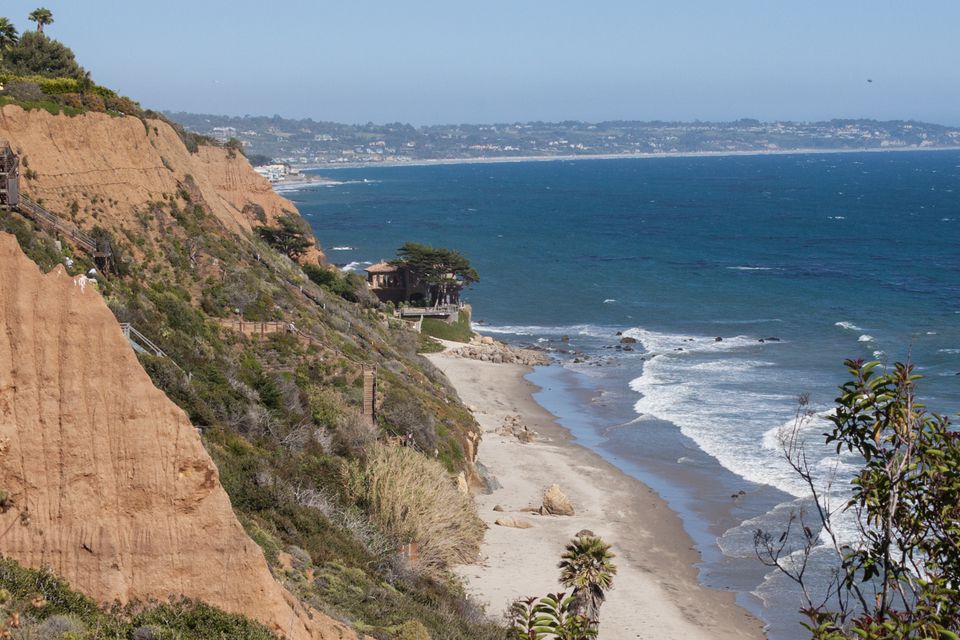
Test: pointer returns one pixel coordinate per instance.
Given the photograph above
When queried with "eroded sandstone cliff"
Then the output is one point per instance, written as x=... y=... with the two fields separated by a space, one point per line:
x=109 y=484
x=103 y=170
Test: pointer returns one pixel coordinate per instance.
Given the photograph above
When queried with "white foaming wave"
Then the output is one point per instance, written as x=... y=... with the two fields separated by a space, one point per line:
x=588 y=330
x=865 y=338
x=843 y=324
x=353 y=266
x=657 y=342
x=726 y=424
x=609 y=300
x=748 y=268
x=951 y=351
x=730 y=366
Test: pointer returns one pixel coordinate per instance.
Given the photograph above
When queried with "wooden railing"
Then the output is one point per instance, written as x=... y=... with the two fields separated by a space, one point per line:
x=55 y=223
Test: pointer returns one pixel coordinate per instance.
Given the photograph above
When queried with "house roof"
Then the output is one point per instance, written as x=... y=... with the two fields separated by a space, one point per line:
x=382 y=267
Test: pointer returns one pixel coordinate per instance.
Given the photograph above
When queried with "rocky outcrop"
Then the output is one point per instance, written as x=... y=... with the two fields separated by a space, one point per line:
x=103 y=170
x=108 y=484
x=487 y=349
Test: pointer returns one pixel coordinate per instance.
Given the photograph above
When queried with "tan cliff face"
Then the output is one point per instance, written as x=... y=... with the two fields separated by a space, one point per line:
x=110 y=485
x=105 y=170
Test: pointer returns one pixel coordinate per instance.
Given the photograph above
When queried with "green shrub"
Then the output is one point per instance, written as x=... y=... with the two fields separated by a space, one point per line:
x=36 y=54
x=412 y=630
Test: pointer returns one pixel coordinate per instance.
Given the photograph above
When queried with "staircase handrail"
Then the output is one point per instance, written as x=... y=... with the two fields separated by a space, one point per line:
x=130 y=332
x=43 y=216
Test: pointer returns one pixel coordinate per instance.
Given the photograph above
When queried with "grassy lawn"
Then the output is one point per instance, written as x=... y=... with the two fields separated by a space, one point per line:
x=457 y=332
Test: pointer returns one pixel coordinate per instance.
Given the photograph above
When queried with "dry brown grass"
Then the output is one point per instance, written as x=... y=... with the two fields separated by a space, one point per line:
x=413 y=499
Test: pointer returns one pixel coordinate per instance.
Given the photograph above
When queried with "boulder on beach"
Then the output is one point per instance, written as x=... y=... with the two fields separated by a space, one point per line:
x=628 y=340
x=514 y=523
x=556 y=503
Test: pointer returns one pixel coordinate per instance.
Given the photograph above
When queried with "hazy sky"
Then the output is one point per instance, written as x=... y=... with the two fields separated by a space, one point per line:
x=449 y=61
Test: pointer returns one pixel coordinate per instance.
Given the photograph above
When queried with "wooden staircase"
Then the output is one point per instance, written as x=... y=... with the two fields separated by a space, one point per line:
x=368 y=409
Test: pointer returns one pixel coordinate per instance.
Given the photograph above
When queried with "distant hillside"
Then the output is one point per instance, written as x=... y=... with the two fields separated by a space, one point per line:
x=326 y=143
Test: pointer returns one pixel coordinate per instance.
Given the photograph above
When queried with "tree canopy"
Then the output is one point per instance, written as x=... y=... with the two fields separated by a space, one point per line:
x=8 y=34
x=42 y=16
x=291 y=236
x=444 y=269
x=37 y=55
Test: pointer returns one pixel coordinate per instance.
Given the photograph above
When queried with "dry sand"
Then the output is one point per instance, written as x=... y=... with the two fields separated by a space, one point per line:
x=656 y=594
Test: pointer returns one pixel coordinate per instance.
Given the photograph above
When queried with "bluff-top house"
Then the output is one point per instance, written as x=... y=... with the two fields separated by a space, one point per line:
x=397 y=284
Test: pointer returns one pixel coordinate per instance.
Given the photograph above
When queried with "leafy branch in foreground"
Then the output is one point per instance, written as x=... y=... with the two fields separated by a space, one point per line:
x=899 y=577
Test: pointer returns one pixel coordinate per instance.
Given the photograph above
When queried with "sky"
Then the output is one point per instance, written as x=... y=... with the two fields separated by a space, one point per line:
x=464 y=61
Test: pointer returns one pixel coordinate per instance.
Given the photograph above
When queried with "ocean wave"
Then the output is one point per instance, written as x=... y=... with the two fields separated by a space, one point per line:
x=657 y=342
x=749 y=268
x=843 y=324
x=353 y=266
x=951 y=351
x=303 y=186
x=588 y=330
x=865 y=338
x=731 y=403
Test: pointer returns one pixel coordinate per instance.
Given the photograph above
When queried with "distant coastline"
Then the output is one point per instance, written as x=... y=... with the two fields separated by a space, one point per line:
x=613 y=156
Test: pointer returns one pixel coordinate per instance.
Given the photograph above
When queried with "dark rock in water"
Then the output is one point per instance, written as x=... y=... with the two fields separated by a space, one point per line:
x=619 y=333
x=619 y=348
x=679 y=349
x=565 y=338
x=628 y=348
x=628 y=340
x=773 y=339
x=718 y=339
x=761 y=340
x=577 y=361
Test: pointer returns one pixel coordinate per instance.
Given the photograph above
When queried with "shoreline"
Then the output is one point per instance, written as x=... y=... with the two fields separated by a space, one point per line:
x=613 y=156
x=656 y=594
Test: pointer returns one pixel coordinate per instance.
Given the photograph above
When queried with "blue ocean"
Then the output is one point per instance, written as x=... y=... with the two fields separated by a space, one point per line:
x=745 y=281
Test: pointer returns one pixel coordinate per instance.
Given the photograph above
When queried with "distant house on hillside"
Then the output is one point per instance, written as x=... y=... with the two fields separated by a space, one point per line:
x=397 y=284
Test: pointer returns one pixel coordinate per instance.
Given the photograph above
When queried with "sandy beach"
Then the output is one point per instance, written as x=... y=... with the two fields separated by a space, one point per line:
x=656 y=594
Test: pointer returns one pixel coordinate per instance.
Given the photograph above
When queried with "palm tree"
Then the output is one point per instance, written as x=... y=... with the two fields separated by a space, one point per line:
x=41 y=16
x=587 y=567
x=8 y=34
